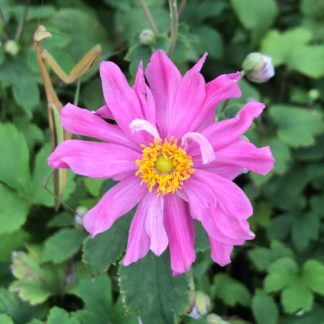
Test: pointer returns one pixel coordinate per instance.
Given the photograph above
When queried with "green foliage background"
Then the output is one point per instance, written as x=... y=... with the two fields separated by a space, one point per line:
x=51 y=271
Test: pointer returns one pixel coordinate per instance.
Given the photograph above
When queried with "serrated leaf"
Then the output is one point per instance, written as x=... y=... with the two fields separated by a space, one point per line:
x=63 y=245
x=20 y=311
x=35 y=282
x=14 y=166
x=313 y=276
x=13 y=211
x=103 y=250
x=282 y=273
x=150 y=290
x=256 y=15
x=281 y=154
x=264 y=308
x=296 y=127
x=263 y=257
x=61 y=316
x=231 y=291
x=296 y=297
x=305 y=228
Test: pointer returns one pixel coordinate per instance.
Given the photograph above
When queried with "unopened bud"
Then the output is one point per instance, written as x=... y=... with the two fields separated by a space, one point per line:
x=80 y=212
x=258 y=67
x=199 y=304
x=11 y=47
x=147 y=37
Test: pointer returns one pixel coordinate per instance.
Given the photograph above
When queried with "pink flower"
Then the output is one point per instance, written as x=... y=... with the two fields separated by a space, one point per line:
x=172 y=160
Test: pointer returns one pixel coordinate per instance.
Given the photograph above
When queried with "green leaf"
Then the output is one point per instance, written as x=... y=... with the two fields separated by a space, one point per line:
x=210 y=41
x=296 y=297
x=13 y=211
x=35 y=282
x=93 y=186
x=62 y=245
x=263 y=257
x=103 y=250
x=281 y=46
x=20 y=311
x=313 y=276
x=282 y=273
x=5 y=319
x=281 y=154
x=291 y=48
x=11 y=242
x=296 y=127
x=60 y=316
x=305 y=228
x=264 y=308
x=14 y=166
x=75 y=23
x=256 y=15
x=150 y=290
x=231 y=291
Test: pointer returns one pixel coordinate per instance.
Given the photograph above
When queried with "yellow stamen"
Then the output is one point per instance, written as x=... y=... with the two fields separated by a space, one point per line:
x=165 y=166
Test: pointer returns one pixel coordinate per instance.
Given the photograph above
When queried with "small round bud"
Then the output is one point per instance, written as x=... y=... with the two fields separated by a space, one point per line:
x=80 y=212
x=313 y=94
x=199 y=304
x=147 y=37
x=258 y=67
x=11 y=47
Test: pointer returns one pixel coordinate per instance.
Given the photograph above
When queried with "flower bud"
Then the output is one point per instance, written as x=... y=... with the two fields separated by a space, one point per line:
x=11 y=47
x=147 y=37
x=313 y=94
x=199 y=304
x=258 y=67
x=80 y=212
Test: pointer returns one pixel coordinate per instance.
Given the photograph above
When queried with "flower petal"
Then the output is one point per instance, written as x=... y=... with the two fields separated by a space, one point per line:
x=164 y=79
x=227 y=131
x=121 y=98
x=138 y=125
x=178 y=225
x=222 y=88
x=104 y=112
x=83 y=122
x=138 y=241
x=247 y=156
x=230 y=197
x=145 y=95
x=207 y=151
x=187 y=104
x=93 y=159
x=198 y=66
x=119 y=200
x=154 y=224
x=220 y=252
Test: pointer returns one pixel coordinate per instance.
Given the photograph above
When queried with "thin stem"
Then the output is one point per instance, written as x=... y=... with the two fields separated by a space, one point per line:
x=174 y=25
x=21 y=26
x=224 y=106
x=149 y=16
x=283 y=84
x=182 y=6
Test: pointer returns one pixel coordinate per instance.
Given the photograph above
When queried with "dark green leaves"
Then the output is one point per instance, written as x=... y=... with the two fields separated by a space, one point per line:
x=151 y=291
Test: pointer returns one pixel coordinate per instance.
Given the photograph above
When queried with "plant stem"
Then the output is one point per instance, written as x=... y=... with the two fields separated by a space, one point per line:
x=149 y=16
x=2 y=18
x=182 y=6
x=174 y=25
x=21 y=25
x=224 y=106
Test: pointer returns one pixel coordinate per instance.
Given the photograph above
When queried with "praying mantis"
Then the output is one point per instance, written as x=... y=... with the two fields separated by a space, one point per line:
x=54 y=106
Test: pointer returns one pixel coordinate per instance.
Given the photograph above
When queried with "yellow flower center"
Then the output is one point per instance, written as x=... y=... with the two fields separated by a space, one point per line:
x=164 y=165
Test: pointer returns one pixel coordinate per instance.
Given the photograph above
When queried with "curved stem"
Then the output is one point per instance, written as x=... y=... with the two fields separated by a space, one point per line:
x=174 y=25
x=21 y=25
x=149 y=16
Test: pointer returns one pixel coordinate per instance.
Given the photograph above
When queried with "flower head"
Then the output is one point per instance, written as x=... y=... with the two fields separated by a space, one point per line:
x=172 y=160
